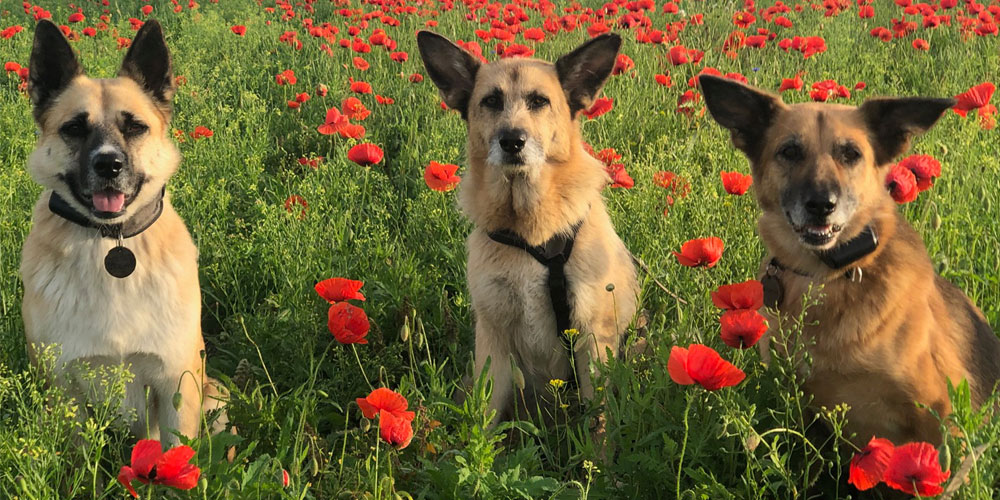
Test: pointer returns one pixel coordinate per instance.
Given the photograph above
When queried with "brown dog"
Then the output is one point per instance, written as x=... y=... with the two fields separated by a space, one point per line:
x=110 y=272
x=887 y=331
x=530 y=188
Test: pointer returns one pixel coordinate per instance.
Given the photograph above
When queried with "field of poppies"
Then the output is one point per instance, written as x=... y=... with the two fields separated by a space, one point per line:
x=318 y=177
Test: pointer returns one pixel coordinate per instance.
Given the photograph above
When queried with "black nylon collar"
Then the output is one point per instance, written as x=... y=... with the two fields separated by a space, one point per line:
x=843 y=255
x=138 y=223
x=553 y=254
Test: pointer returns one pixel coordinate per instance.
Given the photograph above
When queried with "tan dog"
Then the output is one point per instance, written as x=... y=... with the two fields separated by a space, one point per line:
x=104 y=155
x=530 y=180
x=887 y=332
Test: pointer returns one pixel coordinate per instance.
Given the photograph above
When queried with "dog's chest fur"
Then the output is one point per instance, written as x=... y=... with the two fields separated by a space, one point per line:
x=71 y=300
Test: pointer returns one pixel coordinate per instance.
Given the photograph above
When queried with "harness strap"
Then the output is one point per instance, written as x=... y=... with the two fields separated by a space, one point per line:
x=553 y=254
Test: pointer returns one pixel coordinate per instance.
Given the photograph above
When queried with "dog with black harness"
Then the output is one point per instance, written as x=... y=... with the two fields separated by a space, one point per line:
x=553 y=286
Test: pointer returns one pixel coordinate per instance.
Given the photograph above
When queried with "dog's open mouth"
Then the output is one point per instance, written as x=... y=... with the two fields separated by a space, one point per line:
x=107 y=203
x=818 y=235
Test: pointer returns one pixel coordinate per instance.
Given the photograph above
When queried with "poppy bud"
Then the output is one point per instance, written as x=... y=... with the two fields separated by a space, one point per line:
x=365 y=425
x=202 y=354
x=518 y=376
x=420 y=333
x=470 y=369
x=610 y=287
x=314 y=465
x=284 y=478
x=404 y=332
x=936 y=222
x=203 y=482
x=177 y=401
x=946 y=451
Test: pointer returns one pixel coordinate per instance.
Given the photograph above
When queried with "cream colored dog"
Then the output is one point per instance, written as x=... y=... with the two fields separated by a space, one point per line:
x=110 y=272
x=531 y=183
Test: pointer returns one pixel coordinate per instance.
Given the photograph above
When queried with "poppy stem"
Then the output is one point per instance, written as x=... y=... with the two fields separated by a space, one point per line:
x=680 y=463
x=362 y=367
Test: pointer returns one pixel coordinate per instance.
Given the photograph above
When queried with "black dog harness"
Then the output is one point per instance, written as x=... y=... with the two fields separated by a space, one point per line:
x=837 y=258
x=553 y=254
x=120 y=261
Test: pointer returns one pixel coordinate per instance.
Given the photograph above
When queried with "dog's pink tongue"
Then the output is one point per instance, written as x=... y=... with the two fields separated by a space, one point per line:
x=109 y=201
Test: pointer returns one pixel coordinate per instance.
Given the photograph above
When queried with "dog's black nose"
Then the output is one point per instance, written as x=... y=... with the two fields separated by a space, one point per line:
x=512 y=141
x=108 y=165
x=821 y=204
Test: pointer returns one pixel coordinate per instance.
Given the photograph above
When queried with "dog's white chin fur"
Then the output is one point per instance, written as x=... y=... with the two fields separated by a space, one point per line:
x=532 y=157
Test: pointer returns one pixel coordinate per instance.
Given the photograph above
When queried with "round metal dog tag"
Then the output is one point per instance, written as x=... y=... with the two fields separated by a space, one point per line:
x=120 y=262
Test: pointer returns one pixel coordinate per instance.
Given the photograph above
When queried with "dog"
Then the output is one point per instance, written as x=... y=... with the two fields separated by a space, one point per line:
x=534 y=194
x=887 y=331
x=110 y=271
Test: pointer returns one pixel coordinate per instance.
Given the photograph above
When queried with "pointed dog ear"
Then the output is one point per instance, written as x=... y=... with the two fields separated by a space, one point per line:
x=52 y=66
x=583 y=72
x=148 y=63
x=451 y=68
x=893 y=122
x=745 y=111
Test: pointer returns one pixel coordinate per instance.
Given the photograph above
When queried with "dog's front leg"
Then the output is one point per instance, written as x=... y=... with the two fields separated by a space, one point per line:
x=495 y=347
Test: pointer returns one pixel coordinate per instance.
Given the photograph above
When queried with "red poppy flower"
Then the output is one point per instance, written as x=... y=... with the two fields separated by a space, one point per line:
x=351 y=131
x=921 y=44
x=239 y=29
x=322 y=90
x=702 y=365
x=598 y=28
x=791 y=84
x=201 y=131
x=384 y=100
x=365 y=154
x=975 y=97
x=663 y=80
x=756 y=41
x=924 y=167
x=11 y=67
x=360 y=87
x=742 y=328
x=294 y=200
x=302 y=97
x=88 y=31
x=866 y=12
x=151 y=465
x=743 y=19
x=286 y=77
x=416 y=78
x=678 y=54
x=147 y=10
x=354 y=109
x=517 y=50
x=441 y=177
x=902 y=184
x=914 y=468
x=348 y=323
x=601 y=105
x=736 y=183
x=395 y=423
x=360 y=63
x=334 y=122
x=623 y=63
x=708 y=70
x=746 y=295
x=701 y=252
x=399 y=57
x=619 y=176
x=868 y=465
x=76 y=17
x=534 y=34
x=860 y=86
x=335 y=290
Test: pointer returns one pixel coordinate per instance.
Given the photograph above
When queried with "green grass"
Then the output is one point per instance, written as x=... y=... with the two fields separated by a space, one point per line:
x=293 y=403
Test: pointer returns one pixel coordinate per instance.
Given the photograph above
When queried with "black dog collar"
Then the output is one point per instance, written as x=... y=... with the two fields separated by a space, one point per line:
x=839 y=257
x=120 y=261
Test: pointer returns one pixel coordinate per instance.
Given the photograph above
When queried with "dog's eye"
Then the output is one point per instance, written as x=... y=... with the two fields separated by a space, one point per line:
x=850 y=155
x=75 y=129
x=791 y=152
x=493 y=101
x=134 y=128
x=537 y=101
